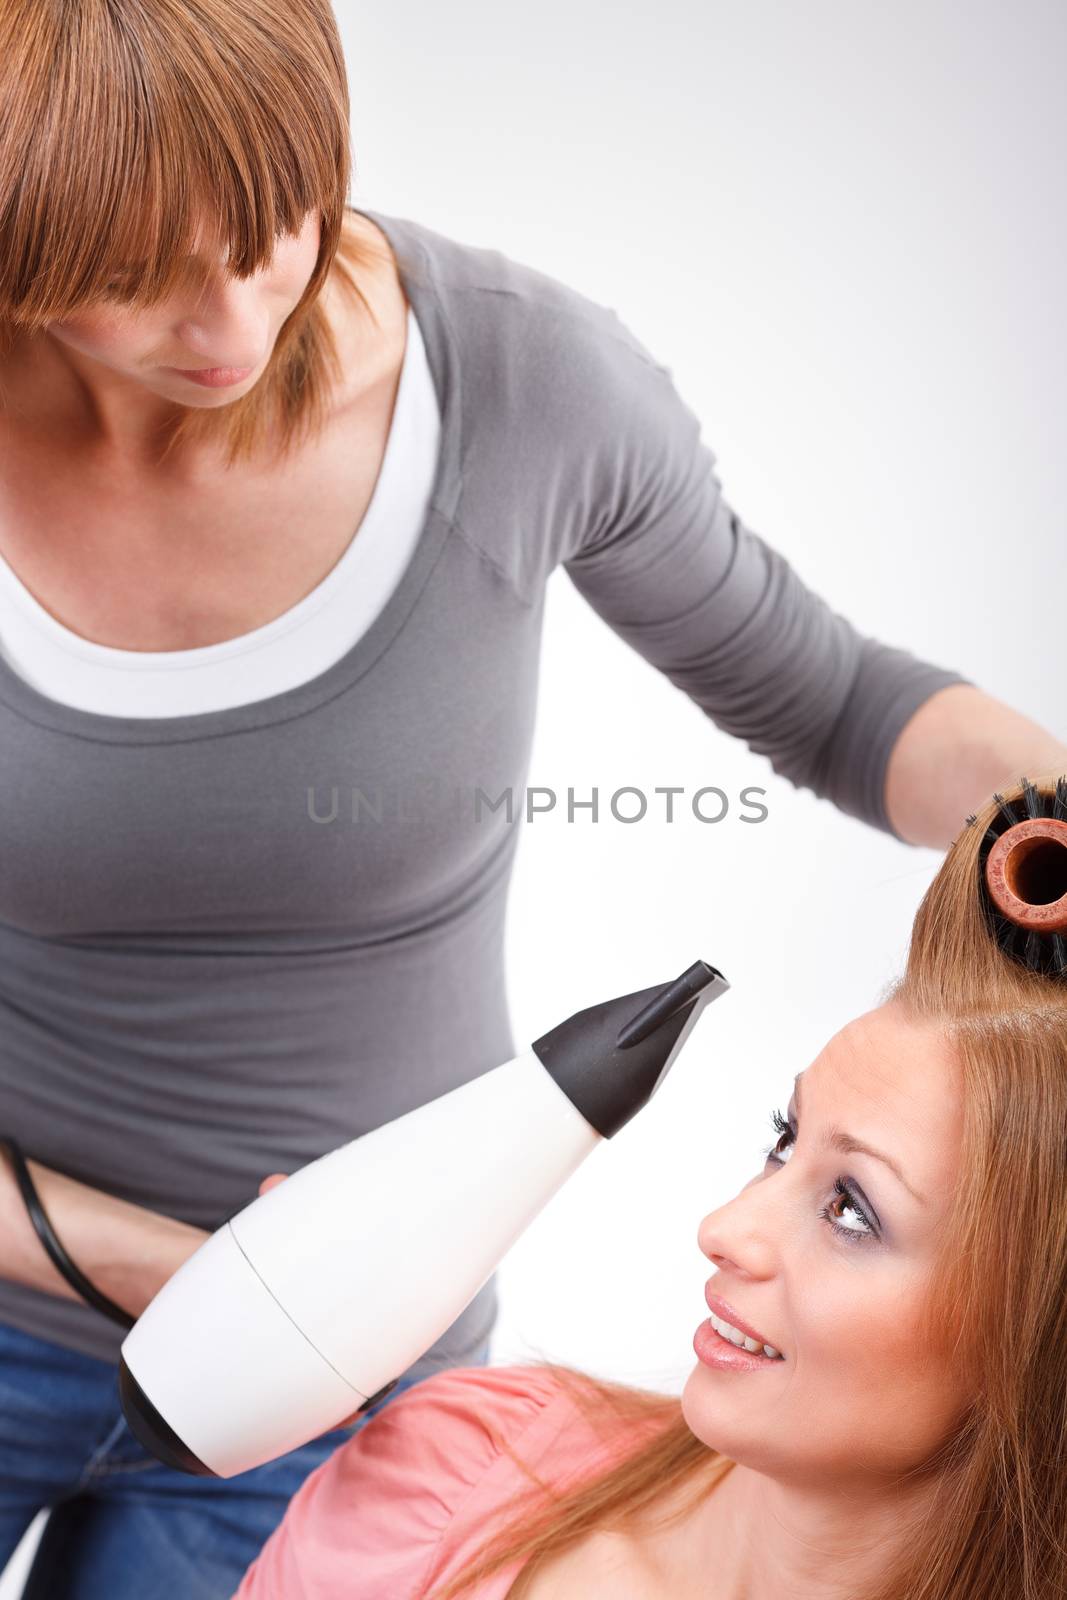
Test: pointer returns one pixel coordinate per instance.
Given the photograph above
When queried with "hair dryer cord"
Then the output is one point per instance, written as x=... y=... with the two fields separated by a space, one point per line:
x=47 y=1235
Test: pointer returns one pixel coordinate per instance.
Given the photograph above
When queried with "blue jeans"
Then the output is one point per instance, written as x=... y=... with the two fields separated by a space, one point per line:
x=129 y=1528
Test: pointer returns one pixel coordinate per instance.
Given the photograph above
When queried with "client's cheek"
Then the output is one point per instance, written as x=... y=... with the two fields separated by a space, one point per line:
x=903 y=1405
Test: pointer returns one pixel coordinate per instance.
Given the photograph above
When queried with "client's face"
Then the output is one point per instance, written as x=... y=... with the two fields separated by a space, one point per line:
x=828 y=1255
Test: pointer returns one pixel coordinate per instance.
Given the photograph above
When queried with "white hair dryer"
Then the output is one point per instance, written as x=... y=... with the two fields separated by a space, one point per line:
x=307 y=1305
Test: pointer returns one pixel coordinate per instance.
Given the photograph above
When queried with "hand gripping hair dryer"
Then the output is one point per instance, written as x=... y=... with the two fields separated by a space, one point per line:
x=307 y=1305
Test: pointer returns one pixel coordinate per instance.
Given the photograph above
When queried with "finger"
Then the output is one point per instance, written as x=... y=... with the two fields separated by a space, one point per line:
x=273 y=1181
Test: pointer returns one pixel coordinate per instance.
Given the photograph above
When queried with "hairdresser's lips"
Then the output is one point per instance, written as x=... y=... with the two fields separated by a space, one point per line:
x=716 y=1351
x=215 y=377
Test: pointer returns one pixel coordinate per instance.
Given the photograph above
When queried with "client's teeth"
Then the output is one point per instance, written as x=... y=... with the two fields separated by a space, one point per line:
x=742 y=1341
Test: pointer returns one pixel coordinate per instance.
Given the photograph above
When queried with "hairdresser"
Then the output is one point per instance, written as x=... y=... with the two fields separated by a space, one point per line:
x=282 y=483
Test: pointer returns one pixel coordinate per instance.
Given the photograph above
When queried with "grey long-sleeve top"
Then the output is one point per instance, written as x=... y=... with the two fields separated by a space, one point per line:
x=206 y=974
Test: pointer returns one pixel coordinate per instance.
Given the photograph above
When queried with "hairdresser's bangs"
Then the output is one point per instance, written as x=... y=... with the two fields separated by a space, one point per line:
x=154 y=130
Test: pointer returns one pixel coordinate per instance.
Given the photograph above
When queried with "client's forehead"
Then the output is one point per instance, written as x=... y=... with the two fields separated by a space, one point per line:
x=895 y=1084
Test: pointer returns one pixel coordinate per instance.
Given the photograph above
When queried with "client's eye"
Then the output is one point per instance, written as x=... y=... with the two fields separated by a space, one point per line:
x=784 y=1132
x=843 y=1189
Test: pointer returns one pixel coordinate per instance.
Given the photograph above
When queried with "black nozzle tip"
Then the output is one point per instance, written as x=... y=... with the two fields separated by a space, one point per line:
x=670 y=999
x=610 y=1058
x=153 y=1430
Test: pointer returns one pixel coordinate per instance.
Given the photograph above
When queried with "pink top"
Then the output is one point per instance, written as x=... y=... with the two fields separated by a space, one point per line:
x=405 y=1504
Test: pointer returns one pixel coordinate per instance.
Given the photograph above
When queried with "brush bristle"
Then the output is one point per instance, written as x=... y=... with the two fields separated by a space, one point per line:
x=1032 y=800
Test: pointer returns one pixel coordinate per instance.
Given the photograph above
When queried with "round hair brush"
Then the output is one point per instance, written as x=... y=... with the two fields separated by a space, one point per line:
x=1022 y=872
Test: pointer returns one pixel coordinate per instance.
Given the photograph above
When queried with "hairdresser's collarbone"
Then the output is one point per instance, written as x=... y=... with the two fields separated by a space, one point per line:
x=170 y=560
x=166 y=567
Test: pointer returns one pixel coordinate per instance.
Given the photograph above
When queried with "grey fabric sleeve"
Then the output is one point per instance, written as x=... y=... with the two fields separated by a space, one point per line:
x=673 y=570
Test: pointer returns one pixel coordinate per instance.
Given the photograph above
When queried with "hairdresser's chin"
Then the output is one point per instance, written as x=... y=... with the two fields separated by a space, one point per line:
x=828 y=1256
x=213 y=321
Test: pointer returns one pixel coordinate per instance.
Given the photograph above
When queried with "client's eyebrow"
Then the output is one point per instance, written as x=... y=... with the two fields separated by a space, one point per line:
x=839 y=1140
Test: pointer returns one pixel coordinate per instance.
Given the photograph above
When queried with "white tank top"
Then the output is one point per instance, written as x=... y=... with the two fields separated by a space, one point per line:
x=287 y=651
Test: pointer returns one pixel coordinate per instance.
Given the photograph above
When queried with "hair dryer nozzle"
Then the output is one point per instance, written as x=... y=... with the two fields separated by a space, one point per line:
x=611 y=1058
x=667 y=1002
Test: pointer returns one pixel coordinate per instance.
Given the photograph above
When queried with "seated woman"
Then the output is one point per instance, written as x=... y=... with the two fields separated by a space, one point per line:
x=899 y=1428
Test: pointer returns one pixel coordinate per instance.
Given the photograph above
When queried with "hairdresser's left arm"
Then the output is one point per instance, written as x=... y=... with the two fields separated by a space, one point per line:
x=952 y=754
x=642 y=528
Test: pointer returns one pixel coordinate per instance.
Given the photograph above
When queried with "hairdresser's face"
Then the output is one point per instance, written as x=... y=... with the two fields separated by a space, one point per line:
x=858 y=1394
x=212 y=320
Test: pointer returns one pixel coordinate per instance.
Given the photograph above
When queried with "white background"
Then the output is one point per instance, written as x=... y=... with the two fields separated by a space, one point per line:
x=842 y=228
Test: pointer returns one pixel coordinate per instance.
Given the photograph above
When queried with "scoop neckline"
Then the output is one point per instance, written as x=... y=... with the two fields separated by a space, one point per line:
x=296 y=616
x=417 y=278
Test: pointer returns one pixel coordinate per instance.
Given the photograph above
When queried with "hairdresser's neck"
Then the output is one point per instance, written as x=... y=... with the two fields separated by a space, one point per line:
x=89 y=411
x=86 y=411
x=753 y=1537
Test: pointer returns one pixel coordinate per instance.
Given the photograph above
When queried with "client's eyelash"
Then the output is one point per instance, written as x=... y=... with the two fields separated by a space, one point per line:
x=841 y=1189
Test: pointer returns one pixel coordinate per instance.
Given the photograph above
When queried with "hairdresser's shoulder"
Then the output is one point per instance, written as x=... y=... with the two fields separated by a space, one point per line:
x=523 y=336
x=475 y=274
x=564 y=409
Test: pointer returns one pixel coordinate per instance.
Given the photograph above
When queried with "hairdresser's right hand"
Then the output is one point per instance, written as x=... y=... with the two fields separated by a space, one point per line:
x=167 y=1245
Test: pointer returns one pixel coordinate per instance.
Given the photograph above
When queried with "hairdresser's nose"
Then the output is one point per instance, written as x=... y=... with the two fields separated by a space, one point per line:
x=228 y=322
x=743 y=1233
